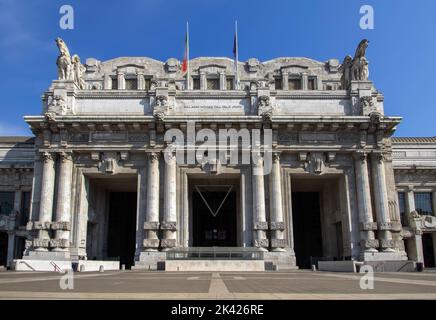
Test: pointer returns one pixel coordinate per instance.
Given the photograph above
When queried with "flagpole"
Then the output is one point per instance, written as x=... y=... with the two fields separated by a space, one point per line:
x=187 y=57
x=236 y=56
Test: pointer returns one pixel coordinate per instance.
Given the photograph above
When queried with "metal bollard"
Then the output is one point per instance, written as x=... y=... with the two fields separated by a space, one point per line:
x=123 y=267
x=313 y=267
x=82 y=268
x=101 y=269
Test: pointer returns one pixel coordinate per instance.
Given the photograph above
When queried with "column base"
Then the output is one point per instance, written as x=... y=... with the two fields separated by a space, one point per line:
x=149 y=260
x=47 y=255
x=282 y=259
x=383 y=256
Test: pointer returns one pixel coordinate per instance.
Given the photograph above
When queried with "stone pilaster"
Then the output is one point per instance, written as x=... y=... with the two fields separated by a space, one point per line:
x=121 y=81
x=169 y=225
x=285 y=80
x=151 y=225
x=381 y=202
x=63 y=206
x=260 y=224
x=277 y=225
x=368 y=242
x=46 y=203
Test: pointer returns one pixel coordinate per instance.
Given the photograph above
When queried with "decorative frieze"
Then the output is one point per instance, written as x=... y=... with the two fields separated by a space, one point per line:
x=151 y=225
x=391 y=226
x=368 y=226
x=260 y=225
x=168 y=243
x=261 y=243
x=274 y=225
x=59 y=243
x=41 y=225
x=41 y=243
x=278 y=243
x=169 y=225
x=150 y=243
x=369 y=244
x=387 y=243
x=61 y=225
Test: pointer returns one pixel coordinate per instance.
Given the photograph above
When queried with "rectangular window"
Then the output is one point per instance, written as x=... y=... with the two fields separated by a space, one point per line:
x=278 y=83
x=213 y=84
x=131 y=84
x=114 y=84
x=311 y=84
x=423 y=203
x=196 y=83
x=6 y=202
x=25 y=208
x=402 y=206
x=147 y=84
x=229 y=84
x=294 y=84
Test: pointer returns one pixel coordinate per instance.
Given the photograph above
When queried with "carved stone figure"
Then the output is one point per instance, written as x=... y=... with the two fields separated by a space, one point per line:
x=78 y=71
x=64 y=61
x=346 y=71
x=359 y=68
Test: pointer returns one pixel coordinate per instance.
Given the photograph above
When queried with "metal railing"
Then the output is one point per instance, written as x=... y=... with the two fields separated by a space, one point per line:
x=214 y=253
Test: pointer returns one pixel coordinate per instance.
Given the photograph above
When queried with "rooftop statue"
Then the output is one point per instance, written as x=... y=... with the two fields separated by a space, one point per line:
x=69 y=68
x=359 y=69
x=64 y=61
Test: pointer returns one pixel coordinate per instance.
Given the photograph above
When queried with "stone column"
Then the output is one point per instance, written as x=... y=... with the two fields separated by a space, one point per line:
x=203 y=84
x=46 y=203
x=169 y=225
x=277 y=225
x=63 y=204
x=368 y=242
x=304 y=81
x=381 y=202
x=11 y=247
x=223 y=84
x=260 y=224
x=285 y=81
x=410 y=200
x=151 y=224
x=415 y=251
x=141 y=80
x=121 y=81
x=433 y=198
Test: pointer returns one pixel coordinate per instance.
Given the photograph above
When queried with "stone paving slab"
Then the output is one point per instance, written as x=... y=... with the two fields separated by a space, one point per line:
x=222 y=285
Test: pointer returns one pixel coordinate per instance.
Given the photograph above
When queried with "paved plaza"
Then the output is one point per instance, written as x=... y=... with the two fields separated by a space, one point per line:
x=214 y=285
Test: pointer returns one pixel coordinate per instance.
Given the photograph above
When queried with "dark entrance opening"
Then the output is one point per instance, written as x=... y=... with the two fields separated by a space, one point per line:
x=122 y=227
x=3 y=249
x=428 y=249
x=307 y=227
x=214 y=218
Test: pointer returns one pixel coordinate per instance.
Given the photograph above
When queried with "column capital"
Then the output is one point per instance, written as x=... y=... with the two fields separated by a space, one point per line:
x=378 y=156
x=153 y=156
x=66 y=156
x=360 y=155
x=276 y=156
x=47 y=156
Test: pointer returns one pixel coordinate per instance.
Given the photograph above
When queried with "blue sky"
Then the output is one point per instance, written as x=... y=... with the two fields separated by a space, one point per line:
x=402 y=51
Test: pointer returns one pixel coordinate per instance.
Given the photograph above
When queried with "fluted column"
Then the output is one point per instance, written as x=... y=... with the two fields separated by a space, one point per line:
x=381 y=202
x=260 y=224
x=46 y=203
x=368 y=242
x=169 y=225
x=63 y=205
x=151 y=225
x=276 y=225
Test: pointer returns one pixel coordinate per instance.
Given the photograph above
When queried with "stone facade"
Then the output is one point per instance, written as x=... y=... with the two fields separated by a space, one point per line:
x=104 y=129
